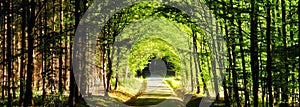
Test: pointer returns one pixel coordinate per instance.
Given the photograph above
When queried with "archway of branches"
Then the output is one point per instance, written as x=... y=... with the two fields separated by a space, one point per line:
x=148 y=49
x=129 y=52
x=191 y=44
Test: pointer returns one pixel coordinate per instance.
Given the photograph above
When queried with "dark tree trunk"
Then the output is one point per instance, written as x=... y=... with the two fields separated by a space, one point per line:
x=73 y=87
x=295 y=53
x=13 y=50
x=103 y=51
x=269 y=55
x=45 y=65
x=109 y=74
x=233 y=56
x=229 y=60
x=60 y=84
x=109 y=59
x=30 y=67
x=117 y=79
x=299 y=48
x=254 y=51
x=22 y=77
x=197 y=65
x=286 y=74
x=245 y=74
x=3 y=49
x=9 y=66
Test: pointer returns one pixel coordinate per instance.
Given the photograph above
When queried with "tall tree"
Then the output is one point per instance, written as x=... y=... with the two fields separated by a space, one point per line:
x=30 y=67
x=245 y=75
x=269 y=53
x=60 y=84
x=254 y=51
x=3 y=54
x=233 y=56
x=224 y=80
x=229 y=59
x=285 y=88
x=9 y=50
x=299 y=48
x=73 y=86
x=23 y=45
x=197 y=64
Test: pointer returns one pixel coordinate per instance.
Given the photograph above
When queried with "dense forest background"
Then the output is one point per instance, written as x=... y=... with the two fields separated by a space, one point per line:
x=262 y=61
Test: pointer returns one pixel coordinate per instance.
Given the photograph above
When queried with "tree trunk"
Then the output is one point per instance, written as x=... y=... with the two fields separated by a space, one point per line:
x=73 y=87
x=44 y=57
x=269 y=55
x=222 y=73
x=2 y=30
x=295 y=53
x=9 y=66
x=299 y=48
x=22 y=77
x=229 y=60
x=286 y=74
x=245 y=74
x=30 y=67
x=117 y=80
x=233 y=57
x=197 y=65
x=60 y=84
x=254 y=51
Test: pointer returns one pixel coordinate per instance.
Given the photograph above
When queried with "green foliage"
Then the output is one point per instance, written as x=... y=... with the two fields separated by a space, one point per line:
x=152 y=48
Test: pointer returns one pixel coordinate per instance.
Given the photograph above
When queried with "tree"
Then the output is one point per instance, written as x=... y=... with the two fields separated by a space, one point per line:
x=73 y=96
x=254 y=51
x=9 y=51
x=299 y=45
x=242 y=51
x=269 y=54
x=22 y=65
x=285 y=88
x=30 y=67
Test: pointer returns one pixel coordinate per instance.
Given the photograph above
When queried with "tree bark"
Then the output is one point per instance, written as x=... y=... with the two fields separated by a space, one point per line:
x=254 y=51
x=233 y=57
x=299 y=48
x=9 y=63
x=286 y=74
x=197 y=65
x=30 y=67
x=245 y=74
x=22 y=77
x=269 y=55
x=60 y=84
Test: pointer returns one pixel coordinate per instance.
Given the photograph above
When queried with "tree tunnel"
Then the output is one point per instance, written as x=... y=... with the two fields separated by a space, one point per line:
x=151 y=38
x=123 y=45
x=151 y=49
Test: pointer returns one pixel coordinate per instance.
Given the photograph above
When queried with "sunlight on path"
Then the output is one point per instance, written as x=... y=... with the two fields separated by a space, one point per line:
x=157 y=94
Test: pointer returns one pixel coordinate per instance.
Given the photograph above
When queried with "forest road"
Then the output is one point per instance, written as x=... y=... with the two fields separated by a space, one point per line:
x=157 y=94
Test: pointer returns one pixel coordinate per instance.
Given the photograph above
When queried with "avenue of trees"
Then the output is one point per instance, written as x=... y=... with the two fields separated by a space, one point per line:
x=260 y=54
